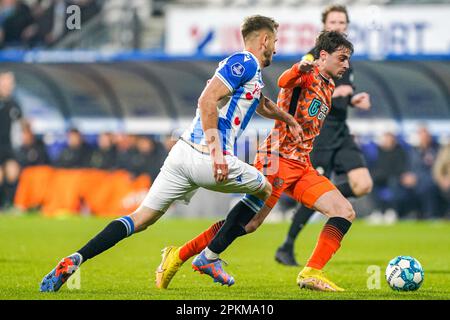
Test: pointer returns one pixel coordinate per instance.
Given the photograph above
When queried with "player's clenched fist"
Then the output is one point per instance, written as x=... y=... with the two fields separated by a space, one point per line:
x=220 y=166
x=306 y=66
x=361 y=100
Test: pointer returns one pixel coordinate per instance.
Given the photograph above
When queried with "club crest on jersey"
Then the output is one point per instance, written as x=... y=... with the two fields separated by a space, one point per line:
x=237 y=69
x=278 y=182
x=317 y=108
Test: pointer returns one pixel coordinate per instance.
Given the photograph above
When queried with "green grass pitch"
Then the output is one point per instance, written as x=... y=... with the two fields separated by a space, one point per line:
x=30 y=246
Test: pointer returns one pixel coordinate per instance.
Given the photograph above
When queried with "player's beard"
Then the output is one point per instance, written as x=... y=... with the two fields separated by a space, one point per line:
x=267 y=55
x=340 y=75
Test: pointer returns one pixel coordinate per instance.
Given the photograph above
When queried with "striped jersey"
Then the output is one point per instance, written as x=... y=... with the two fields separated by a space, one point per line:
x=241 y=73
x=309 y=108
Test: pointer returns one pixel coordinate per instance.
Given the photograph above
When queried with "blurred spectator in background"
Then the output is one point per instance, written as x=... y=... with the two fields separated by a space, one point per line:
x=49 y=26
x=125 y=148
x=149 y=158
x=9 y=112
x=50 y=22
x=104 y=156
x=169 y=142
x=388 y=173
x=32 y=151
x=77 y=154
x=441 y=174
x=426 y=192
x=15 y=17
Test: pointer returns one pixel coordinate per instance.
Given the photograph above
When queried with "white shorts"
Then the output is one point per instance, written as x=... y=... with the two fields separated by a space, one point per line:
x=186 y=169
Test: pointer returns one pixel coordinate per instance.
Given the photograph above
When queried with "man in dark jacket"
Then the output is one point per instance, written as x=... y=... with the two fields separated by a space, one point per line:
x=9 y=113
x=77 y=154
x=391 y=175
x=32 y=152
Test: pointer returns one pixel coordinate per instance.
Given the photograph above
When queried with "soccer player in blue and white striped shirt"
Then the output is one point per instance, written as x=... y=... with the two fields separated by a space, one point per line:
x=203 y=157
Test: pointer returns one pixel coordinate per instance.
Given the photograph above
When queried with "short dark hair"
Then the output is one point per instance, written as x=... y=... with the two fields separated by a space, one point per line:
x=334 y=8
x=74 y=130
x=330 y=41
x=256 y=23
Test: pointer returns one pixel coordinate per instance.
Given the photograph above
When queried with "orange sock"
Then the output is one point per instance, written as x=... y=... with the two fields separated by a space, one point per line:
x=329 y=242
x=196 y=245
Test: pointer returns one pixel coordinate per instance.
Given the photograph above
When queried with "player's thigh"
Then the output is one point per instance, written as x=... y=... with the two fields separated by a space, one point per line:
x=242 y=178
x=173 y=181
x=333 y=204
x=310 y=187
x=280 y=175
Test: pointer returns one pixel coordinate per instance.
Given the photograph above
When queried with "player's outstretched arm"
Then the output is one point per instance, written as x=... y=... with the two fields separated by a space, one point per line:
x=214 y=91
x=297 y=76
x=268 y=109
x=361 y=100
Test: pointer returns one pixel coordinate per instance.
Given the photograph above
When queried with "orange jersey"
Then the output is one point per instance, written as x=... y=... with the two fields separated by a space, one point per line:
x=314 y=93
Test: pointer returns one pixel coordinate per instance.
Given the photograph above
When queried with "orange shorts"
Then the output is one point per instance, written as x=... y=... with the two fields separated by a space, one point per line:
x=298 y=180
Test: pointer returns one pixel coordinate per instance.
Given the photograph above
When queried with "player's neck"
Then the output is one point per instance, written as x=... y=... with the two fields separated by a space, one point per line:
x=258 y=55
x=323 y=72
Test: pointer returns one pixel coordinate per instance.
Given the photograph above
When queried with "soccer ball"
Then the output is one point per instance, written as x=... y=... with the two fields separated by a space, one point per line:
x=404 y=273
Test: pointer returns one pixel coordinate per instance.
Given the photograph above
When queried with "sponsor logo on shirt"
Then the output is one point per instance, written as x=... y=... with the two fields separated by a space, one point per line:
x=317 y=108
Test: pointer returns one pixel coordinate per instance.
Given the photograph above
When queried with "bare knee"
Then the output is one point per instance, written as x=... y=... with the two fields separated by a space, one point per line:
x=144 y=217
x=362 y=187
x=343 y=209
x=265 y=193
x=347 y=211
x=360 y=181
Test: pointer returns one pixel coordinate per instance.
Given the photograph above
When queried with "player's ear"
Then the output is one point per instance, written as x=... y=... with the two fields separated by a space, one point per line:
x=265 y=39
x=323 y=55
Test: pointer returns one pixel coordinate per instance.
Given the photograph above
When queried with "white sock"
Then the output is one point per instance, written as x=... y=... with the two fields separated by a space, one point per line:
x=211 y=255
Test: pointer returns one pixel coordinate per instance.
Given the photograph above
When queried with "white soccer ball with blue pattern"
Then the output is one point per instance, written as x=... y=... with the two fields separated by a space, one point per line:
x=404 y=273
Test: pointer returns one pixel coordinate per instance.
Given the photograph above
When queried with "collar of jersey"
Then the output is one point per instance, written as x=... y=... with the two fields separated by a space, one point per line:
x=327 y=80
x=254 y=57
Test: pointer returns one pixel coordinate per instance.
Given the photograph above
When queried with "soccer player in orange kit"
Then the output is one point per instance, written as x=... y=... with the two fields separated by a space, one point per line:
x=306 y=91
x=335 y=150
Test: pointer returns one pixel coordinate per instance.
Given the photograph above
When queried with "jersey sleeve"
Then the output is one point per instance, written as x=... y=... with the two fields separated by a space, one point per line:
x=293 y=77
x=237 y=70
